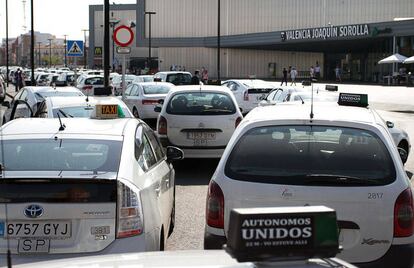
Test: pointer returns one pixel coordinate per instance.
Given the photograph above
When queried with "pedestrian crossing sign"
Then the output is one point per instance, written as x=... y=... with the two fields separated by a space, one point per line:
x=74 y=48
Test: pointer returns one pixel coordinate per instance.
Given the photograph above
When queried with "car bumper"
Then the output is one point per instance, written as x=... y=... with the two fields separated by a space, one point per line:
x=142 y=243
x=397 y=256
x=196 y=152
x=212 y=241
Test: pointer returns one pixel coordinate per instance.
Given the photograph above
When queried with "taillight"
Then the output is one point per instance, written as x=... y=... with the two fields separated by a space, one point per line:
x=149 y=102
x=129 y=219
x=246 y=95
x=162 y=126
x=215 y=206
x=87 y=87
x=238 y=120
x=403 y=214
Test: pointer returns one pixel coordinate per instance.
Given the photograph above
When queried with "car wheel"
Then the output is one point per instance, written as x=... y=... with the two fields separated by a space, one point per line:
x=403 y=145
x=172 y=219
x=162 y=239
x=135 y=113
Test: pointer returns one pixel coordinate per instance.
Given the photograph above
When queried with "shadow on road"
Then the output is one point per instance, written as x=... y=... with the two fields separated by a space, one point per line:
x=194 y=171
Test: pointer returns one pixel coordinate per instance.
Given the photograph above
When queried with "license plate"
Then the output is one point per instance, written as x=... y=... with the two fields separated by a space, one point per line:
x=201 y=135
x=40 y=229
x=27 y=246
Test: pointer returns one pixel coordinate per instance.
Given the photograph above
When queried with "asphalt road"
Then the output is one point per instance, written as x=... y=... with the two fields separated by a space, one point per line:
x=393 y=103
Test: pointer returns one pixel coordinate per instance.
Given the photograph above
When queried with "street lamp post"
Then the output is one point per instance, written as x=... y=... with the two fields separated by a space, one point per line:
x=38 y=43
x=149 y=13
x=106 y=46
x=50 y=52
x=218 y=40
x=32 y=44
x=113 y=22
x=84 y=47
x=66 y=52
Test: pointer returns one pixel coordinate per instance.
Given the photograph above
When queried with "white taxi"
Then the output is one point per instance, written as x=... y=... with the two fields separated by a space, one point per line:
x=198 y=119
x=78 y=106
x=341 y=157
x=79 y=186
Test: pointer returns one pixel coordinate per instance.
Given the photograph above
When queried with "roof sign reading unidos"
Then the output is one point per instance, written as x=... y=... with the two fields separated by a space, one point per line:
x=282 y=233
x=351 y=99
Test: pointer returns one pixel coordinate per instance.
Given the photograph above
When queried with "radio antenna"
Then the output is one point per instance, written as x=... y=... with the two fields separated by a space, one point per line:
x=311 y=112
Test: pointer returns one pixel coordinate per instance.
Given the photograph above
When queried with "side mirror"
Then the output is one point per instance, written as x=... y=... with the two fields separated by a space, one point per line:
x=174 y=154
x=390 y=124
x=6 y=104
x=403 y=154
x=161 y=101
x=157 y=109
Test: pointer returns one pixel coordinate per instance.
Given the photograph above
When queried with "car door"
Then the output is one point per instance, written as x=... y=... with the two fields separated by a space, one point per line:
x=166 y=174
x=152 y=177
x=134 y=97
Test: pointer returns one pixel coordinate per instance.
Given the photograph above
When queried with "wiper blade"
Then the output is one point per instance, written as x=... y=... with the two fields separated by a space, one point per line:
x=64 y=114
x=335 y=179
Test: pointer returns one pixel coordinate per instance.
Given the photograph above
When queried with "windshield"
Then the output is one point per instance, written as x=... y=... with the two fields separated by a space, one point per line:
x=295 y=154
x=61 y=155
x=94 y=81
x=201 y=103
x=81 y=111
x=58 y=93
x=155 y=89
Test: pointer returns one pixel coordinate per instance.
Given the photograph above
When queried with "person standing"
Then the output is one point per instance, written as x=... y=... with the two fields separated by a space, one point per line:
x=195 y=80
x=338 y=74
x=285 y=74
x=204 y=75
x=312 y=72
x=317 y=71
x=18 y=77
x=293 y=75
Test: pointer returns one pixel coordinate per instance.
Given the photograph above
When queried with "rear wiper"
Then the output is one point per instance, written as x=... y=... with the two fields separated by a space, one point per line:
x=333 y=179
x=64 y=114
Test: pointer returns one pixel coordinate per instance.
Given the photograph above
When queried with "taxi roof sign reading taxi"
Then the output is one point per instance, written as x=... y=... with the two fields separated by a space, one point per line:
x=351 y=99
x=108 y=111
x=282 y=233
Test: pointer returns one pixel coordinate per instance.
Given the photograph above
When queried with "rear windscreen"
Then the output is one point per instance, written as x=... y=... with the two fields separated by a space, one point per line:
x=61 y=155
x=179 y=79
x=94 y=81
x=155 y=89
x=201 y=103
x=57 y=190
x=311 y=155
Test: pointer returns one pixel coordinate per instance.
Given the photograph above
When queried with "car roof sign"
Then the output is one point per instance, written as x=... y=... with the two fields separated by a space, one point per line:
x=282 y=233
x=108 y=111
x=352 y=99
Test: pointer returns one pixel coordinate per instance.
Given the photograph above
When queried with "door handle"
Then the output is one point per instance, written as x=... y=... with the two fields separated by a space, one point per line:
x=158 y=190
x=167 y=182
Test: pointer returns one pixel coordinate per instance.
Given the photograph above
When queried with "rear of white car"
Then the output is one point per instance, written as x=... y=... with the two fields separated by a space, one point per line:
x=350 y=167
x=198 y=119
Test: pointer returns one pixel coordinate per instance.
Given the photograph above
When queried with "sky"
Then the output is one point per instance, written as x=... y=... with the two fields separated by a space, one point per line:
x=57 y=17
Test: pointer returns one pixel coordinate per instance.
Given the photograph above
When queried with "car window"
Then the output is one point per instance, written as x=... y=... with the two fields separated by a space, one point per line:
x=271 y=95
x=156 y=144
x=94 y=81
x=128 y=90
x=311 y=155
x=278 y=96
x=201 y=103
x=155 y=89
x=143 y=151
x=134 y=90
x=23 y=95
x=179 y=79
x=62 y=155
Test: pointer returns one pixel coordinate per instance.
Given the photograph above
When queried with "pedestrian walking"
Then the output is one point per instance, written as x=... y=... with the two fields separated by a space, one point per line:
x=204 y=75
x=285 y=74
x=293 y=75
x=317 y=71
x=18 y=77
x=338 y=74
x=312 y=72
x=195 y=80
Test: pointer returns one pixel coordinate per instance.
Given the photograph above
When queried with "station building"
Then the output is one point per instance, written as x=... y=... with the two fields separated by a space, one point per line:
x=261 y=37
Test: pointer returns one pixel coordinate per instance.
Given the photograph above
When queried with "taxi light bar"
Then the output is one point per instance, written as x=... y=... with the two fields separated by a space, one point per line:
x=107 y=111
x=282 y=233
x=351 y=99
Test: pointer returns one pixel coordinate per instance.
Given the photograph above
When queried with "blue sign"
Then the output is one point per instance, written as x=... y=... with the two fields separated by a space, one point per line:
x=1 y=228
x=74 y=48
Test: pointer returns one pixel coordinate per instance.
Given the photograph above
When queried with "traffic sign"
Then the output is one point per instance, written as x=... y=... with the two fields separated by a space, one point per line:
x=123 y=50
x=74 y=48
x=123 y=36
